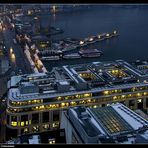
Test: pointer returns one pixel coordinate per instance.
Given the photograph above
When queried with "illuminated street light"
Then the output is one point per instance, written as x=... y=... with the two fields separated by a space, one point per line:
x=11 y=50
x=13 y=56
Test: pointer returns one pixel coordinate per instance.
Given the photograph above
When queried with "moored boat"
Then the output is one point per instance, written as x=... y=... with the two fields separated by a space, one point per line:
x=50 y=58
x=90 y=52
x=72 y=56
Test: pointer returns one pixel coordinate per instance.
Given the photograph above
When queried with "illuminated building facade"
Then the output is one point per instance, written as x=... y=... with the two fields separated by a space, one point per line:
x=35 y=101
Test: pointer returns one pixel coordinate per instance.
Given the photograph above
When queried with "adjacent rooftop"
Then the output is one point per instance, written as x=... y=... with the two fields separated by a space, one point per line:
x=112 y=124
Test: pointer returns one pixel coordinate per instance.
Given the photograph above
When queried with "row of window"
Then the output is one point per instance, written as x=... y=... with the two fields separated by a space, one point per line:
x=29 y=102
x=118 y=73
x=75 y=103
x=123 y=97
x=53 y=106
x=37 y=128
x=20 y=123
x=87 y=76
x=16 y=121
x=78 y=96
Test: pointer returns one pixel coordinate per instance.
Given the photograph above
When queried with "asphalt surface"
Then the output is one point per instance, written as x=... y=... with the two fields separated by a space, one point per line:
x=20 y=62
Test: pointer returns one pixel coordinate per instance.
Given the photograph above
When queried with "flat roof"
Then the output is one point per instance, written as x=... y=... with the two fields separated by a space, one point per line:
x=110 y=120
x=125 y=127
x=71 y=75
x=130 y=117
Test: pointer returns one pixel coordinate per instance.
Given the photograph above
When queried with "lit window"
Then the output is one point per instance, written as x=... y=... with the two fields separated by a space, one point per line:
x=59 y=98
x=145 y=93
x=87 y=95
x=34 y=101
x=26 y=122
x=22 y=123
x=77 y=96
x=42 y=107
x=106 y=92
x=35 y=128
x=129 y=95
x=66 y=97
x=138 y=94
x=46 y=126
x=88 y=100
x=67 y=104
x=51 y=141
x=139 y=100
x=14 y=123
x=116 y=90
x=53 y=106
x=123 y=96
x=73 y=103
x=25 y=130
x=57 y=105
x=95 y=106
x=62 y=104
x=55 y=124
x=115 y=97
x=80 y=75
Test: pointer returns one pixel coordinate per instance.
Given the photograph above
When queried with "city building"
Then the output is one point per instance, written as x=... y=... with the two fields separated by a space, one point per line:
x=35 y=101
x=115 y=123
x=48 y=137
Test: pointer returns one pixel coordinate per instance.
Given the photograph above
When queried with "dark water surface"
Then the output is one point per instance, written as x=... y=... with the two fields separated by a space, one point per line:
x=130 y=21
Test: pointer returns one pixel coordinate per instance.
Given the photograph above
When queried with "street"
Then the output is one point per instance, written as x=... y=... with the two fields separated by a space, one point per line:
x=20 y=60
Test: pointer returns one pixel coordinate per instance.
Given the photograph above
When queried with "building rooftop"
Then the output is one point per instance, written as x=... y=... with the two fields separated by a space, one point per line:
x=111 y=121
x=115 y=122
x=75 y=79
